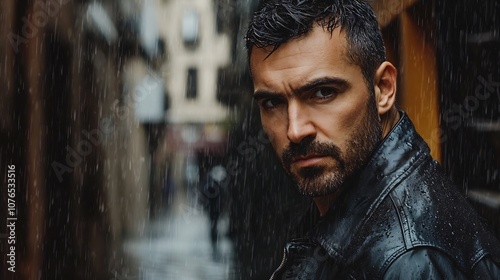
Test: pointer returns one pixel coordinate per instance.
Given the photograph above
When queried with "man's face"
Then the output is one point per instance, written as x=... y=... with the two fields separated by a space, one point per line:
x=317 y=110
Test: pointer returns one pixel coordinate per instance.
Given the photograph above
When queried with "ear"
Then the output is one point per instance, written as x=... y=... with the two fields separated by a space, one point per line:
x=385 y=82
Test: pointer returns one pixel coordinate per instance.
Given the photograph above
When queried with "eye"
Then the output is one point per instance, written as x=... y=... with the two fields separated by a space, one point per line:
x=270 y=103
x=325 y=93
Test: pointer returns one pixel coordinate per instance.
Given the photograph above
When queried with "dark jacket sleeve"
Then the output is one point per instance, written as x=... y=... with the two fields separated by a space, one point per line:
x=429 y=263
x=487 y=269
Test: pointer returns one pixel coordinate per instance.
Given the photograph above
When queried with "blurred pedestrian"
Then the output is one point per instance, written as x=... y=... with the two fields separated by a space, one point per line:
x=213 y=194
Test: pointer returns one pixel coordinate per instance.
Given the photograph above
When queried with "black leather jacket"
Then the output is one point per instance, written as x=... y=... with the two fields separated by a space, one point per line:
x=401 y=218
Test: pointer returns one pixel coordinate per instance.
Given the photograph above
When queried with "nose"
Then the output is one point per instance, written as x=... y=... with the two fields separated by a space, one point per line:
x=299 y=123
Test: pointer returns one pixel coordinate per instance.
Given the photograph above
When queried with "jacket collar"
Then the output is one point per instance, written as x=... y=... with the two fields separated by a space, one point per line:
x=390 y=162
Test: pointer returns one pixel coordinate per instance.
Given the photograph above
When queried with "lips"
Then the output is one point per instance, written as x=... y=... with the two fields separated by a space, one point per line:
x=308 y=160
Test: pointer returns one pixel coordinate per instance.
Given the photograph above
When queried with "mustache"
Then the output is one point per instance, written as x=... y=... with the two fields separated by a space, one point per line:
x=296 y=150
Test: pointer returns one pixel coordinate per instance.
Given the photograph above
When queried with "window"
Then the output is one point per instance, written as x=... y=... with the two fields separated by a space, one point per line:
x=192 y=83
x=190 y=29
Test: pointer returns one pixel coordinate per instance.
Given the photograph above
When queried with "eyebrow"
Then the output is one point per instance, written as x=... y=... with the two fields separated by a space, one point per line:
x=324 y=81
x=263 y=94
x=316 y=83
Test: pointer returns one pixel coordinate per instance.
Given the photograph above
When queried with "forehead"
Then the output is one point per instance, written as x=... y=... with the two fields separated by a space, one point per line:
x=318 y=53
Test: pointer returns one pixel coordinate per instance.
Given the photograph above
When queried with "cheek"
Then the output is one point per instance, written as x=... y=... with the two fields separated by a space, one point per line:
x=277 y=139
x=337 y=128
x=273 y=126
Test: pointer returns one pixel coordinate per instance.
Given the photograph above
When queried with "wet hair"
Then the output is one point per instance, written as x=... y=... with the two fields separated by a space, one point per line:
x=278 y=21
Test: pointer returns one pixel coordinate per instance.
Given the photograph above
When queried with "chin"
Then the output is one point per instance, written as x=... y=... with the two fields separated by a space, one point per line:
x=319 y=185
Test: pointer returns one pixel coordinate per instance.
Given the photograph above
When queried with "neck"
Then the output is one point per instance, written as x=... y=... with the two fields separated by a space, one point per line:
x=323 y=202
x=389 y=120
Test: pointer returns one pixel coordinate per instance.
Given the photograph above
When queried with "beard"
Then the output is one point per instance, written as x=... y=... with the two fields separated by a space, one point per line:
x=323 y=179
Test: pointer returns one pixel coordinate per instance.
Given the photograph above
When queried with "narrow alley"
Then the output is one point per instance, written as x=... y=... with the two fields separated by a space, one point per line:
x=178 y=247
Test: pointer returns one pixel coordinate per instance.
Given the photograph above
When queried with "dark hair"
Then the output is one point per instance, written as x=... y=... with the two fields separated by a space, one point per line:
x=278 y=21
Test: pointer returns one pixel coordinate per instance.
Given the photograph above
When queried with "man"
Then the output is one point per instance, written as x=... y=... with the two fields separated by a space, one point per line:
x=327 y=102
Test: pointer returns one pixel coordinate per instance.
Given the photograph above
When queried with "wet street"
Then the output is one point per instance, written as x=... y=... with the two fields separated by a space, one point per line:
x=178 y=247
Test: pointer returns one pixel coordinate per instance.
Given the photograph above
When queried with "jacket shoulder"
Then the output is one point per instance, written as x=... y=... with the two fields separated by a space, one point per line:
x=433 y=213
x=424 y=212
